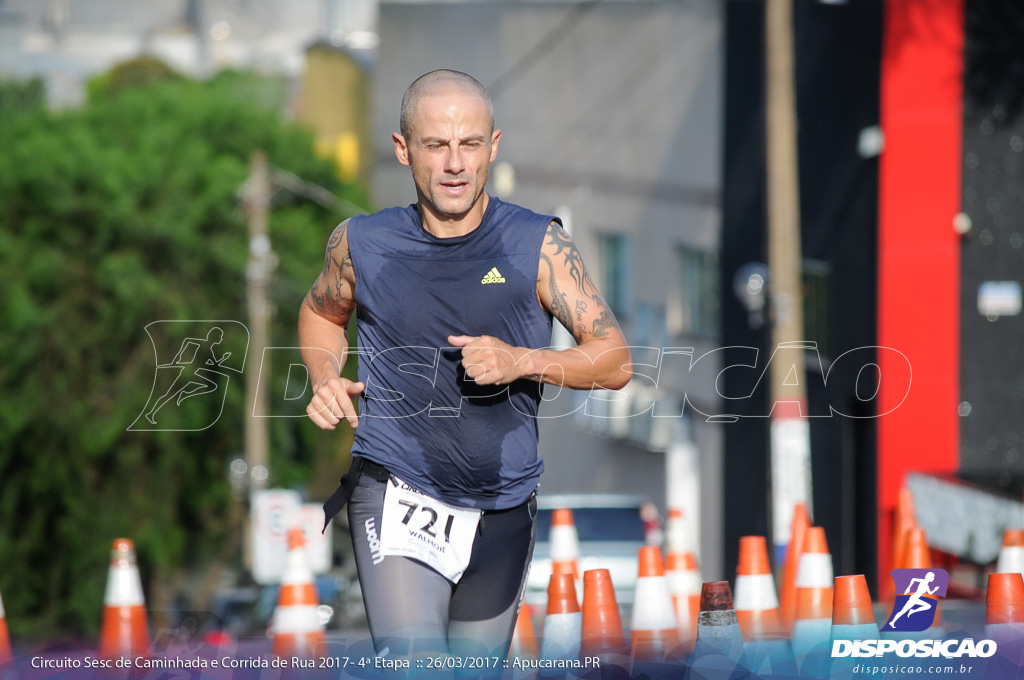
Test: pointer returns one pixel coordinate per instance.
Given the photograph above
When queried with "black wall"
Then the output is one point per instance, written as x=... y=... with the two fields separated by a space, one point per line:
x=838 y=57
x=991 y=354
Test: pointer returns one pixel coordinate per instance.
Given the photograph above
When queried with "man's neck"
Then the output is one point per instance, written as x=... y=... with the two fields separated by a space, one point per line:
x=450 y=227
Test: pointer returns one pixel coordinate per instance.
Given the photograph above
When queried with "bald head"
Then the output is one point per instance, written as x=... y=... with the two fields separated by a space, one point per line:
x=436 y=83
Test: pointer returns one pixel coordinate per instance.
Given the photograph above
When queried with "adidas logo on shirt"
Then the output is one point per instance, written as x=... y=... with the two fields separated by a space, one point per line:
x=493 y=276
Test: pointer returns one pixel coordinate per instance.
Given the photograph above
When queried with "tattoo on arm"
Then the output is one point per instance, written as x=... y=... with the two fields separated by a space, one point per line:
x=603 y=323
x=329 y=291
x=333 y=243
x=565 y=248
x=571 y=259
x=559 y=307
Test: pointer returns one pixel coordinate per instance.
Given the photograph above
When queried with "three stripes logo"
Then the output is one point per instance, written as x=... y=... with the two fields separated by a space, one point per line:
x=493 y=276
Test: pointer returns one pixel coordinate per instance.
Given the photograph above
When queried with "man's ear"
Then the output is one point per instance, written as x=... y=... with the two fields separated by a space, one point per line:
x=401 y=148
x=494 y=144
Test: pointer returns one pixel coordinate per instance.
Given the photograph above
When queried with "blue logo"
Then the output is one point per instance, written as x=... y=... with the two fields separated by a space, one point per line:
x=917 y=593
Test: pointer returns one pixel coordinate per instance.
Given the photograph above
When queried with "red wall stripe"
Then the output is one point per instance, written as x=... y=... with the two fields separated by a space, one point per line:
x=919 y=252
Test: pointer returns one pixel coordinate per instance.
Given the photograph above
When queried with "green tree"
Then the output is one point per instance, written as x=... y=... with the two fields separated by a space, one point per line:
x=18 y=97
x=119 y=213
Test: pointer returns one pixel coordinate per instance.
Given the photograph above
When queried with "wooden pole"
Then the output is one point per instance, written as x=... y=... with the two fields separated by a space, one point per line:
x=790 y=431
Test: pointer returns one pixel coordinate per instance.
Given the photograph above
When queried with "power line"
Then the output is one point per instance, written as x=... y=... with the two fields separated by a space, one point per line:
x=543 y=48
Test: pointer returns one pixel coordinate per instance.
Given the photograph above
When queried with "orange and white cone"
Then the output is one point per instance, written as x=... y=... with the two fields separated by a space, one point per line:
x=903 y=521
x=684 y=577
x=757 y=605
x=852 y=619
x=852 y=615
x=655 y=629
x=1004 y=608
x=676 y=537
x=524 y=640
x=1011 y=555
x=565 y=544
x=603 y=636
x=916 y=555
x=125 y=630
x=814 y=588
x=563 y=625
x=787 y=590
x=296 y=627
x=5 y=638
x=684 y=582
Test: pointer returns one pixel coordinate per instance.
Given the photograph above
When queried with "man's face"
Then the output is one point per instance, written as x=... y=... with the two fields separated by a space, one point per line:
x=450 y=148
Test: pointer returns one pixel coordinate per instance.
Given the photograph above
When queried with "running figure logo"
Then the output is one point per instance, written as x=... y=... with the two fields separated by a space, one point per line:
x=201 y=366
x=917 y=593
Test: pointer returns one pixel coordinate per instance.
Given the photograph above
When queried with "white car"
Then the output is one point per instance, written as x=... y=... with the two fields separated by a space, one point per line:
x=611 y=534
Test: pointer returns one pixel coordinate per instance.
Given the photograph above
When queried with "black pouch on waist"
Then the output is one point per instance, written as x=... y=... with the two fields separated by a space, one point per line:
x=338 y=499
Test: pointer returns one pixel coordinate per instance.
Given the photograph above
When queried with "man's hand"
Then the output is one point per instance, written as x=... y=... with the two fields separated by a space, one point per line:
x=332 y=401
x=487 y=360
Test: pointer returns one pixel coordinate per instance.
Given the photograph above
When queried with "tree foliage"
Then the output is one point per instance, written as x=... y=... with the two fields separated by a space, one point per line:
x=119 y=213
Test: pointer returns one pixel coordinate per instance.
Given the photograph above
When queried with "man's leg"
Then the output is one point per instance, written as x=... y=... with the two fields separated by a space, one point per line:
x=486 y=599
x=406 y=601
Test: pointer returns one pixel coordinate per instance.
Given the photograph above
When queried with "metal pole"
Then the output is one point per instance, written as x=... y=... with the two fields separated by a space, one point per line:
x=261 y=264
x=790 y=433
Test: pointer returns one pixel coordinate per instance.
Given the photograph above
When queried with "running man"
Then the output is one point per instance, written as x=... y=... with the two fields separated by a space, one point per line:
x=916 y=602
x=195 y=383
x=455 y=296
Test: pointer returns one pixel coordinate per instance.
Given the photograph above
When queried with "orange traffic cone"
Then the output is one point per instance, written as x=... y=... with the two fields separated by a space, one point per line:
x=787 y=591
x=684 y=581
x=296 y=627
x=125 y=630
x=524 y=641
x=718 y=629
x=814 y=579
x=1011 y=555
x=563 y=625
x=1004 y=608
x=852 y=615
x=684 y=578
x=655 y=629
x=916 y=555
x=565 y=544
x=903 y=521
x=852 y=619
x=602 y=625
x=677 y=539
x=5 y=638
x=757 y=605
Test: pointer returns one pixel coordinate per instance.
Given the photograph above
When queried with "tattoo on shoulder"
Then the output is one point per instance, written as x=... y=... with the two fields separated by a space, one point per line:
x=566 y=249
x=331 y=255
x=328 y=292
x=593 y=317
x=559 y=305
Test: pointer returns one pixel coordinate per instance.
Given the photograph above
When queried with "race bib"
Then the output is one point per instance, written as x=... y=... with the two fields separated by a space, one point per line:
x=424 y=528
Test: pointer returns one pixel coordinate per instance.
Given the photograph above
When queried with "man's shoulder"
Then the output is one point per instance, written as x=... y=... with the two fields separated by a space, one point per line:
x=518 y=213
x=375 y=225
x=392 y=214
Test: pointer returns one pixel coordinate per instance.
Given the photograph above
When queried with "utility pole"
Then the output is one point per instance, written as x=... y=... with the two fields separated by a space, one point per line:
x=261 y=265
x=790 y=431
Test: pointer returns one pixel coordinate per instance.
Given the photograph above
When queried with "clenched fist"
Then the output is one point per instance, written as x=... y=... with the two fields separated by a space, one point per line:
x=487 y=360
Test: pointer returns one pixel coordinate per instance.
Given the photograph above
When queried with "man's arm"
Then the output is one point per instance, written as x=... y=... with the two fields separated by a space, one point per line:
x=600 y=358
x=323 y=319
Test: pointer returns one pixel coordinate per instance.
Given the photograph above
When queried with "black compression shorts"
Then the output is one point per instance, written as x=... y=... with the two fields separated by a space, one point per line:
x=413 y=609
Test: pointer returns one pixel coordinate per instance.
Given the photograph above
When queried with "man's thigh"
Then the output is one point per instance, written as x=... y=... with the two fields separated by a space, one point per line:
x=406 y=601
x=486 y=600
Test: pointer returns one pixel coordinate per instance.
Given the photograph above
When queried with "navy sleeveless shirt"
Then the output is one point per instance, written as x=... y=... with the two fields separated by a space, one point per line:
x=420 y=417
